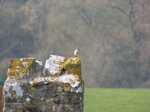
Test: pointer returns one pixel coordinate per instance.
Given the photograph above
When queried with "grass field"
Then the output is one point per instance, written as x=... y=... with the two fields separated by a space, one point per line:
x=116 y=100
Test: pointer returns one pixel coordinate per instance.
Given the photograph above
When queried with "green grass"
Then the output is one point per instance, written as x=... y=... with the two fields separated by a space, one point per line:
x=116 y=100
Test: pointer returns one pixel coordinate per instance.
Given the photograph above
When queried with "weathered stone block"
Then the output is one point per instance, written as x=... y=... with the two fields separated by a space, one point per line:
x=13 y=107
x=54 y=65
x=58 y=87
x=73 y=66
x=17 y=83
x=13 y=92
x=22 y=68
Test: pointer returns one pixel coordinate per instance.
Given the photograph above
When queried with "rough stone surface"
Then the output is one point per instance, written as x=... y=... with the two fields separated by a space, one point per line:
x=54 y=65
x=55 y=87
x=73 y=66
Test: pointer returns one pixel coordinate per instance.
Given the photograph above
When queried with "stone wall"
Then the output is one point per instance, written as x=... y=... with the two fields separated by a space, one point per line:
x=55 y=87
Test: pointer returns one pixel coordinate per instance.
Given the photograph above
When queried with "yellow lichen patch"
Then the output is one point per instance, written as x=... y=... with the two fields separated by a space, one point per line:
x=65 y=99
x=74 y=80
x=19 y=67
x=43 y=103
x=46 y=104
x=60 y=67
x=38 y=97
x=60 y=89
x=66 y=86
x=40 y=70
x=67 y=74
x=16 y=110
x=32 y=90
x=53 y=78
x=30 y=106
x=35 y=81
x=69 y=108
x=51 y=84
x=48 y=100
x=81 y=80
x=12 y=92
x=73 y=66
x=54 y=95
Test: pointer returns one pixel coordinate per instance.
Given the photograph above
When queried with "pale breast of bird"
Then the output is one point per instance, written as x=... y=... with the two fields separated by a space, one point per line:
x=76 y=52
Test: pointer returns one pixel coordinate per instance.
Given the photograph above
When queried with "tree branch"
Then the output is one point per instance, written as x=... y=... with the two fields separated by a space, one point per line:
x=121 y=10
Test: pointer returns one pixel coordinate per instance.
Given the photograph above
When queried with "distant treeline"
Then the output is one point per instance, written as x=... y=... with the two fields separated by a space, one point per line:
x=113 y=35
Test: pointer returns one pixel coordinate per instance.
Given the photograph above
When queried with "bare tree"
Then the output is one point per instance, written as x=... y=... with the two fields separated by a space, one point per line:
x=139 y=18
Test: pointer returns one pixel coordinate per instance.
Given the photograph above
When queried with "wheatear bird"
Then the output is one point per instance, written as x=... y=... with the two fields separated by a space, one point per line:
x=76 y=52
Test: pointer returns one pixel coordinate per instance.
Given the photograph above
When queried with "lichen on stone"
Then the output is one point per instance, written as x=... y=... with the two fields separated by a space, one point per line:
x=13 y=90
x=73 y=66
x=54 y=65
x=66 y=86
x=55 y=87
x=18 y=68
x=32 y=90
